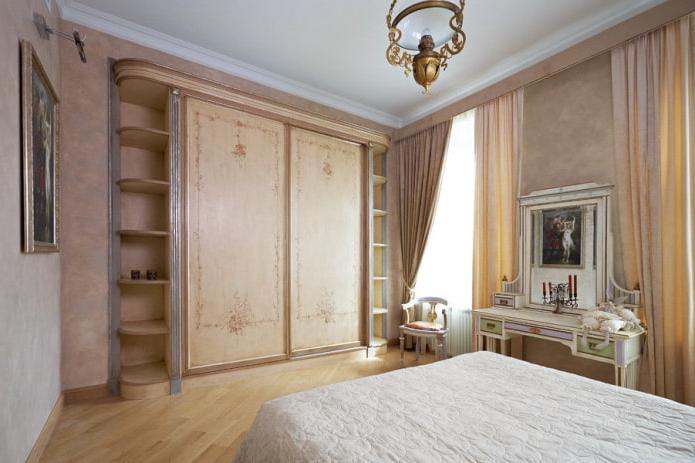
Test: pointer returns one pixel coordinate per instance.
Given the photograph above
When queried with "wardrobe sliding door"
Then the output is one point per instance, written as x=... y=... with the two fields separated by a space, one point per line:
x=235 y=238
x=326 y=177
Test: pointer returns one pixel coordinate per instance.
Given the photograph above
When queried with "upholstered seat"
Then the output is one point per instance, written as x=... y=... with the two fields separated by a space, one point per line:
x=429 y=329
x=423 y=325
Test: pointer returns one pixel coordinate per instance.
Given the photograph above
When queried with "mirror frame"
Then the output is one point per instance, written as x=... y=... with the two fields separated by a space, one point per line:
x=573 y=195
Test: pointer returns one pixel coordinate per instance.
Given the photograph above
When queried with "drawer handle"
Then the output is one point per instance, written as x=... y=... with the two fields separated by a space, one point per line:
x=534 y=330
x=490 y=326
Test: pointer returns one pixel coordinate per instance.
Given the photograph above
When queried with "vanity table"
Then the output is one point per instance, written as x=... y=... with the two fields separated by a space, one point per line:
x=565 y=266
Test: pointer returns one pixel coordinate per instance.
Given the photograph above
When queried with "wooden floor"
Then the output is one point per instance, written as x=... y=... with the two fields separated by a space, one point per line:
x=206 y=423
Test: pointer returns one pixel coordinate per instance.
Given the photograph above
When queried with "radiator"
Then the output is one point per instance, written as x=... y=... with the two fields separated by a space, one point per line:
x=460 y=331
x=460 y=337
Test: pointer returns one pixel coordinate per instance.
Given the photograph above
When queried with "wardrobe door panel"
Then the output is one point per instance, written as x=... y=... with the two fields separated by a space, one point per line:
x=235 y=238
x=326 y=242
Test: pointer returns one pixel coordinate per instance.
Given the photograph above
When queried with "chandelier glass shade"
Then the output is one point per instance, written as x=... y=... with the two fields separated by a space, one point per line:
x=433 y=29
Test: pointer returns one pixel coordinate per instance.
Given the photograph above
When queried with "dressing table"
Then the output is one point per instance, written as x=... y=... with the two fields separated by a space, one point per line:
x=565 y=266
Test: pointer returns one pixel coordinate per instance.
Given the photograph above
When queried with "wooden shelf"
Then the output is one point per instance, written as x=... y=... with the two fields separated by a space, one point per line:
x=128 y=281
x=144 y=233
x=142 y=185
x=144 y=93
x=144 y=328
x=380 y=278
x=380 y=245
x=379 y=180
x=147 y=373
x=380 y=311
x=144 y=138
x=379 y=212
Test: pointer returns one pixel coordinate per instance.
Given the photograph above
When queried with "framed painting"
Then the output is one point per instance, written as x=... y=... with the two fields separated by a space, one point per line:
x=40 y=155
x=562 y=237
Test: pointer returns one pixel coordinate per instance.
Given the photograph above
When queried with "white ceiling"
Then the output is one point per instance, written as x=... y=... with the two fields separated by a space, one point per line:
x=333 y=51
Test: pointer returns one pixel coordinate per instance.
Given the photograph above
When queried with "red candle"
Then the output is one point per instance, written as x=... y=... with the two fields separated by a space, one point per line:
x=569 y=285
x=575 y=286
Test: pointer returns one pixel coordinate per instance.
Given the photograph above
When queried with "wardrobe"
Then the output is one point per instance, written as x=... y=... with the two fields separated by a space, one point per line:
x=252 y=225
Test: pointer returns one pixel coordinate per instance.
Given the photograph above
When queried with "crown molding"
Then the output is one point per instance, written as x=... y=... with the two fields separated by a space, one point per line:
x=555 y=43
x=90 y=17
x=551 y=45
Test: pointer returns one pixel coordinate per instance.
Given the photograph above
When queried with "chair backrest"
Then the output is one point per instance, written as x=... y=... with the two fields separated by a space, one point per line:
x=424 y=300
x=432 y=301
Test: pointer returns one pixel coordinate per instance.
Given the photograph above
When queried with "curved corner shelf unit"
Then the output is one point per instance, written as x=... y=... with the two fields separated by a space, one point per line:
x=128 y=281
x=144 y=328
x=144 y=233
x=144 y=138
x=378 y=256
x=144 y=186
x=137 y=104
x=144 y=381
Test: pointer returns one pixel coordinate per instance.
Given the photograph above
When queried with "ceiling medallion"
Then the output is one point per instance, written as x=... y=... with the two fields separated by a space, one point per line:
x=424 y=26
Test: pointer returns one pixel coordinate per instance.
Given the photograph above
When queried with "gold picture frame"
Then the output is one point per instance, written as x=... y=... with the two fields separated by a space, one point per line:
x=40 y=155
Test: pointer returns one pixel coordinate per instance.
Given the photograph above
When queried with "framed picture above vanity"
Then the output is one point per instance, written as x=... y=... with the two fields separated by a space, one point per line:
x=565 y=271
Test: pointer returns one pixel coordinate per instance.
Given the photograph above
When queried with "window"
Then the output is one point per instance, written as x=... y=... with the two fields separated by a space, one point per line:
x=446 y=269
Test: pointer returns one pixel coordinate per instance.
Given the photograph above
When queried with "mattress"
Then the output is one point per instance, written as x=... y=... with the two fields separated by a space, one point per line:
x=475 y=407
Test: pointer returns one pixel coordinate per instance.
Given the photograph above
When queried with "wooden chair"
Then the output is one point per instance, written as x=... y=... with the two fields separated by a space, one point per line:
x=425 y=329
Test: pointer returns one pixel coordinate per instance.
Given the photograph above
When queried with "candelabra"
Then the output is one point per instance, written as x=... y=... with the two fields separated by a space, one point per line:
x=561 y=296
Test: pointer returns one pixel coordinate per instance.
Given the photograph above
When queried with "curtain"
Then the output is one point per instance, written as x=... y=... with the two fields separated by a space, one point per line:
x=656 y=175
x=495 y=235
x=420 y=158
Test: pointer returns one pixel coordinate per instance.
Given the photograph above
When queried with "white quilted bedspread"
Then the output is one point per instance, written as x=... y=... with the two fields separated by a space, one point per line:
x=475 y=407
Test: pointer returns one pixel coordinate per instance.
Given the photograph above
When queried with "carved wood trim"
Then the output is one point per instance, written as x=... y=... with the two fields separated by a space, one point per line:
x=146 y=70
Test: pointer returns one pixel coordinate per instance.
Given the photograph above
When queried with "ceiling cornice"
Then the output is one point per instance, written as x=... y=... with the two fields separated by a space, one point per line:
x=551 y=45
x=560 y=40
x=87 y=16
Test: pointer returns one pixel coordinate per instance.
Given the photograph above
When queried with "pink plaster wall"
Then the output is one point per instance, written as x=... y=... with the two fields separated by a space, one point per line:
x=568 y=139
x=29 y=283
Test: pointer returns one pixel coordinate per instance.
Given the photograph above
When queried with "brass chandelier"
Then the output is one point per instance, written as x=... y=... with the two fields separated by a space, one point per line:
x=423 y=26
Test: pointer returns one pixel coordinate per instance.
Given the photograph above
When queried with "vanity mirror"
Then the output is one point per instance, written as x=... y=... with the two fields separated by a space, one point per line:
x=566 y=257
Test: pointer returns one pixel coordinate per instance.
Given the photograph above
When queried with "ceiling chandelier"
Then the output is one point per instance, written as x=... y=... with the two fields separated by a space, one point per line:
x=431 y=28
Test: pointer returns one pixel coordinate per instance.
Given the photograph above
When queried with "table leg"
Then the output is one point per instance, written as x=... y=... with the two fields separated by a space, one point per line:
x=402 y=340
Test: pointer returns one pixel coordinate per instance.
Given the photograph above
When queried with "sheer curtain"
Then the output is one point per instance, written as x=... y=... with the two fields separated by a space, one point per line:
x=498 y=140
x=447 y=263
x=652 y=104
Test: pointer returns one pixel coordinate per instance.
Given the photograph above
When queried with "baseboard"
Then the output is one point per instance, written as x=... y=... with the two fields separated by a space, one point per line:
x=47 y=431
x=84 y=394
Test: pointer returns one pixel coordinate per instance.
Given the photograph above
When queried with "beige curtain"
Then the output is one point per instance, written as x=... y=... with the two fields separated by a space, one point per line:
x=497 y=151
x=655 y=181
x=420 y=158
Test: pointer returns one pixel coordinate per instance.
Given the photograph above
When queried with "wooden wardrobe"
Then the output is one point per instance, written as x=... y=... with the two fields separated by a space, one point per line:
x=265 y=227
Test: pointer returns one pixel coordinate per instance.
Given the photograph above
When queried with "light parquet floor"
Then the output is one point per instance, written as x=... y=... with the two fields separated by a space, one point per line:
x=206 y=423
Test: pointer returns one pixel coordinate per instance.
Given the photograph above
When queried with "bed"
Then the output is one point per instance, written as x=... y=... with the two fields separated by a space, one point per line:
x=474 y=407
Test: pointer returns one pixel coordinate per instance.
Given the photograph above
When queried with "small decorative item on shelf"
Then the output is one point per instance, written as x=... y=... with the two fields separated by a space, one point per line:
x=151 y=275
x=135 y=274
